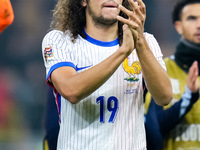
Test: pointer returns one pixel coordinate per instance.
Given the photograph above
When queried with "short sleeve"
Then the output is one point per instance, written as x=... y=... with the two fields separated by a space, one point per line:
x=155 y=48
x=56 y=52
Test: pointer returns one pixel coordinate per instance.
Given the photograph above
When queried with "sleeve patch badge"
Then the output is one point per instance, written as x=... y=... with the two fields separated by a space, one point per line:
x=48 y=52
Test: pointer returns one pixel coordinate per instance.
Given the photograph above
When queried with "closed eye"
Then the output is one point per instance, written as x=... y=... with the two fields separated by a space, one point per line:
x=191 y=18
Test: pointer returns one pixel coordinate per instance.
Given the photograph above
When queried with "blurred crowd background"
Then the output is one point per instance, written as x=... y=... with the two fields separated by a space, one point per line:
x=23 y=89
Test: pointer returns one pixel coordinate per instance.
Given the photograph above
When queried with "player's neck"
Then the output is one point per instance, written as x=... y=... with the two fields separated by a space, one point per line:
x=105 y=34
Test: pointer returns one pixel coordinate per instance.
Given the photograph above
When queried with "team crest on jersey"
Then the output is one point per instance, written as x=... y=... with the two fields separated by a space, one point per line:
x=48 y=52
x=132 y=70
x=132 y=88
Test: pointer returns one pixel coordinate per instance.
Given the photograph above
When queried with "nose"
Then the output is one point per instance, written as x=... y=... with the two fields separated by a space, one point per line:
x=198 y=22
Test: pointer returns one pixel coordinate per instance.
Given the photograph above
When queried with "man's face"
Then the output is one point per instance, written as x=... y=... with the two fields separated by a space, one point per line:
x=103 y=12
x=189 y=26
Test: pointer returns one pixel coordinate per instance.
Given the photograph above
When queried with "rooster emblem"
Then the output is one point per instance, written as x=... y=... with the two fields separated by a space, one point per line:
x=135 y=68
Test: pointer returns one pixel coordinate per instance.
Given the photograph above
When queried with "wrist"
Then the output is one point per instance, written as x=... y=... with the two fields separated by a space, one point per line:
x=141 y=42
x=187 y=90
x=123 y=52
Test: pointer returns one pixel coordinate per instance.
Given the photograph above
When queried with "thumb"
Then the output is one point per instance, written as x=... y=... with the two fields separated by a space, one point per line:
x=126 y=32
x=125 y=26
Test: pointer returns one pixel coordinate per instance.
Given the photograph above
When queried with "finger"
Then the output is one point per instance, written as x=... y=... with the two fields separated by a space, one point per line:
x=197 y=68
x=134 y=25
x=194 y=68
x=192 y=80
x=194 y=77
x=136 y=7
x=194 y=83
x=126 y=11
x=126 y=31
x=142 y=6
x=137 y=11
x=130 y=14
x=193 y=72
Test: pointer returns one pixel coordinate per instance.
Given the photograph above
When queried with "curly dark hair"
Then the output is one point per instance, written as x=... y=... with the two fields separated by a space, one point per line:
x=70 y=15
x=177 y=11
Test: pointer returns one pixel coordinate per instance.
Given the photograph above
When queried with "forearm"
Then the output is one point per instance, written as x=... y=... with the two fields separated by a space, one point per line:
x=188 y=99
x=78 y=86
x=174 y=115
x=157 y=80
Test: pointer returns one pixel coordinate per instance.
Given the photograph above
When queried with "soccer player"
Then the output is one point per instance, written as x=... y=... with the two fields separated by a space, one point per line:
x=178 y=123
x=6 y=14
x=96 y=58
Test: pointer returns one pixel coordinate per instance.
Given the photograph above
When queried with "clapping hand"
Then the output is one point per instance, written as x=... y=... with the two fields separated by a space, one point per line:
x=192 y=79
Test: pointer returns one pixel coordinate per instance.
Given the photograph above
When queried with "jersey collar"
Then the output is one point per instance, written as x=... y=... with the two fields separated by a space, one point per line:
x=101 y=43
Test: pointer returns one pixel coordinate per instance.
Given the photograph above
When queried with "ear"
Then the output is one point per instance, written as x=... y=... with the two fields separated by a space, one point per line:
x=84 y=3
x=178 y=26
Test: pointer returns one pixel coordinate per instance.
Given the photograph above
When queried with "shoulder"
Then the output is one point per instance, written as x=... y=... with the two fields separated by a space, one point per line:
x=56 y=37
x=54 y=34
x=148 y=35
x=154 y=46
x=151 y=40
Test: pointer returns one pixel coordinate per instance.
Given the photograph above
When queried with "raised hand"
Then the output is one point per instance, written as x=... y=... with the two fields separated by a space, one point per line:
x=128 y=42
x=192 y=79
x=136 y=18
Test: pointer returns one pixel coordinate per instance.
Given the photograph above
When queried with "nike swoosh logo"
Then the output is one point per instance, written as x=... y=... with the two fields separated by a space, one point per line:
x=81 y=68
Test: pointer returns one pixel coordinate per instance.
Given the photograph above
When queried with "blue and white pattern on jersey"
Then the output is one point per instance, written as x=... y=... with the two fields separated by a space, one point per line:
x=112 y=116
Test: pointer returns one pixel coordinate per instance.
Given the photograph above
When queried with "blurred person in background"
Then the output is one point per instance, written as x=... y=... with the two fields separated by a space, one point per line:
x=176 y=126
x=82 y=115
x=51 y=122
x=6 y=14
x=6 y=103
